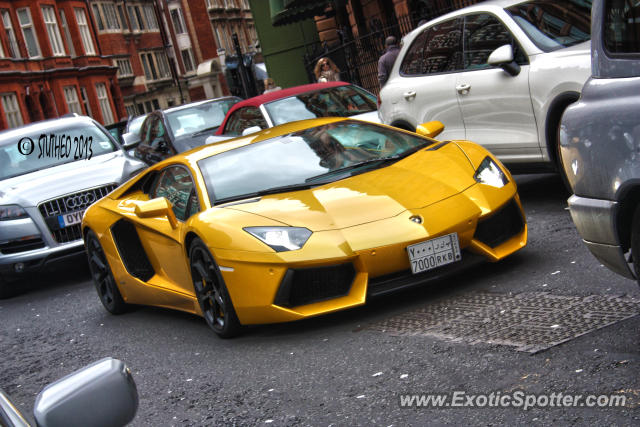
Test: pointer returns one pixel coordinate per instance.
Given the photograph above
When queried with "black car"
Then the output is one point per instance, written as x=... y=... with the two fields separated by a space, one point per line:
x=177 y=129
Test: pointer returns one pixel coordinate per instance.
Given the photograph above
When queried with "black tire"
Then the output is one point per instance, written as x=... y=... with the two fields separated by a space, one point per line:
x=211 y=292
x=7 y=289
x=635 y=243
x=106 y=285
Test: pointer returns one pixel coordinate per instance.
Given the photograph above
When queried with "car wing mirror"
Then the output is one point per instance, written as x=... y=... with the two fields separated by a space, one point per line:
x=102 y=392
x=130 y=140
x=430 y=129
x=157 y=207
x=503 y=57
x=250 y=130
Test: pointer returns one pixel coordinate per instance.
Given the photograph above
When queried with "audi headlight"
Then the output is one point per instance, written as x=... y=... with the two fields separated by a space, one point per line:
x=281 y=239
x=489 y=173
x=8 y=212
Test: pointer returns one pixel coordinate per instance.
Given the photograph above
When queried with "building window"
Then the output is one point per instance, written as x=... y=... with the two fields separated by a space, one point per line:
x=155 y=65
x=71 y=96
x=50 y=21
x=122 y=18
x=26 y=25
x=85 y=100
x=11 y=110
x=124 y=67
x=98 y=16
x=105 y=105
x=136 y=18
x=187 y=59
x=85 y=33
x=131 y=110
x=67 y=34
x=106 y=16
x=150 y=15
x=178 y=21
x=14 y=52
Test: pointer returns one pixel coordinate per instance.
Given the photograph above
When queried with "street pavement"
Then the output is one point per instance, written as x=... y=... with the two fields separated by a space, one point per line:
x=344 y=369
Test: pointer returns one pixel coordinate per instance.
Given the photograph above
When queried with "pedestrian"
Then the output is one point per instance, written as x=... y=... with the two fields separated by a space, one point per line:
x=326 y=71
x=385 y=63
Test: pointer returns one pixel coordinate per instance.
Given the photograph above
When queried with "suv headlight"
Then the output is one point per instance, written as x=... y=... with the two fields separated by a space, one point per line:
x=489 y=173
x=281 y=239
x=8 y=212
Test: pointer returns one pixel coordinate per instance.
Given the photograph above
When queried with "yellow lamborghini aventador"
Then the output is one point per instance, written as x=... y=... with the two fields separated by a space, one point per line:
x=298 y=220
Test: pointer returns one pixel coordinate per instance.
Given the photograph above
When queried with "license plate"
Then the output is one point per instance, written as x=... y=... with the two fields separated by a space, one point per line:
x=434 y=253
x=70 y=218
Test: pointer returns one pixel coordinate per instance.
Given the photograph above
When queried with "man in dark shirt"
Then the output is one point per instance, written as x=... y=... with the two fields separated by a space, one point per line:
x=385 y=63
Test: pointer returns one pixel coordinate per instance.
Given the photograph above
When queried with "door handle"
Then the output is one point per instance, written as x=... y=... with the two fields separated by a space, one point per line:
x=409 y=95
x=463 y=88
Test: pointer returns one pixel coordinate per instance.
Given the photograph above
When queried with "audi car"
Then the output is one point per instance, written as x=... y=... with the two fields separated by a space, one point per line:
x=299 y=220
x=50 y=171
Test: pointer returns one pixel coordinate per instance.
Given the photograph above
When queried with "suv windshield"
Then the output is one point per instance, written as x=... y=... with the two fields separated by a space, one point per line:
x=306 y=158
x=201 y=117
x=55 y=147
x=341 y=101
x=552 y=25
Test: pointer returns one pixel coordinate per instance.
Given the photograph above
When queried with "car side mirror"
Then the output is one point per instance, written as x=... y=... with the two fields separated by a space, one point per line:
x=503 y=57
x=250 y=130
x=130 y=140
x=102 y=392
x=430 y=129
x=154 y=208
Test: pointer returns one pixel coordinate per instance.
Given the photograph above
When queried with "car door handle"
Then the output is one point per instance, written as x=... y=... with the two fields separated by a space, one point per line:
x=409 y=95
x=463 y=88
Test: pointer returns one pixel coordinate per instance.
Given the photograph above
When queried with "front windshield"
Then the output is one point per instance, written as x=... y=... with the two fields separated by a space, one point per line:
x=552 y=25
x=341 y=101
x=201 y=117
x=31 y=152
x=310 y=157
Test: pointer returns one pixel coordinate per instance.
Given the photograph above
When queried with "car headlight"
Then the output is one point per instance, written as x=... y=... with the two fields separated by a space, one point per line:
x=489 y=173
x=281 y=239
x=8 y=212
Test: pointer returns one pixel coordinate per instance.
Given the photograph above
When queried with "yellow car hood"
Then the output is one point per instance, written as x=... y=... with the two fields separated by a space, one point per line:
x=415 y=182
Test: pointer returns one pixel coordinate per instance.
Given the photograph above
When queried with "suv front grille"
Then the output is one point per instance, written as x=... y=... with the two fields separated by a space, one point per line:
x=52 y=210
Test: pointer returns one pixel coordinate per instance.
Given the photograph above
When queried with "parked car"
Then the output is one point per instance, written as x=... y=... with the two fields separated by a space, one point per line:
x=174 y=130
x=600 y=138
x=298 y=220
x=499 y=73
x=332 y=99
x=50 y=171
x=100 y=394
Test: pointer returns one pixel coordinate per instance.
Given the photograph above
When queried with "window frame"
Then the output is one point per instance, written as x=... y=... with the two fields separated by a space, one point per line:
x=53 y=30
x=16 y=113
x=103 y=101
x=14 y=49
x=85 y=32
x=72 y=104
x=29 y=26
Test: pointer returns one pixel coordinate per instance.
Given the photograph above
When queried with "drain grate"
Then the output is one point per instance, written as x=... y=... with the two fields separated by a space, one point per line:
x=530 y=322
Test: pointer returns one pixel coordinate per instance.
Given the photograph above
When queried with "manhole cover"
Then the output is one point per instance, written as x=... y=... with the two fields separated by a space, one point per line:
x=529 y=322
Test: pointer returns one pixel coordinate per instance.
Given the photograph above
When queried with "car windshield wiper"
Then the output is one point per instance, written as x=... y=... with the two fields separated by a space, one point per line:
x=205 y=130
x=267 y=191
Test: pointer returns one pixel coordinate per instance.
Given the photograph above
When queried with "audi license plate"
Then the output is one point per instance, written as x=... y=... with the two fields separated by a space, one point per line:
x=434 y=253
x=71 y=218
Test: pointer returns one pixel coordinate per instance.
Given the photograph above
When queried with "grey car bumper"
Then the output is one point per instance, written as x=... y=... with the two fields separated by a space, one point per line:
x=595 y=220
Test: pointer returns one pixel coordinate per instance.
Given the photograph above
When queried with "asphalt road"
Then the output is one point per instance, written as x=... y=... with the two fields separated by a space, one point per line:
x=337 y=369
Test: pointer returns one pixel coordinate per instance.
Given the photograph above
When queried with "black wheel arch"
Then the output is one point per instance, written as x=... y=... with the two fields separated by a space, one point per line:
x=552 y=121
x=628 y=198
x=403 y=124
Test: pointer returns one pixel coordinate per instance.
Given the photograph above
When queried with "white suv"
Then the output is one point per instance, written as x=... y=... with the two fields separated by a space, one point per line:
x=499 y=73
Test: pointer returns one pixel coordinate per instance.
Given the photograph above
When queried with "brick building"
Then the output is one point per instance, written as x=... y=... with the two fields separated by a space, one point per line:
x=51 y=64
